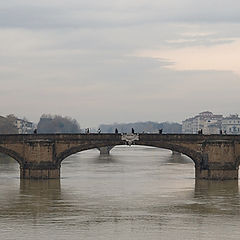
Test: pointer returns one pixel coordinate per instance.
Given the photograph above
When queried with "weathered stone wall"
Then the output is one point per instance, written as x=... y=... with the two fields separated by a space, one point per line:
x=40 y=155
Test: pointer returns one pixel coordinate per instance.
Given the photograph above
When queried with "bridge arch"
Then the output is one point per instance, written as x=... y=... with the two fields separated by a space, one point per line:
x=195 y=156
x=80 y=148
x=12 y=154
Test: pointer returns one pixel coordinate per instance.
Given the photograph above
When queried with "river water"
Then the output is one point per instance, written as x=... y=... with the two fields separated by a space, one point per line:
x=135 y=193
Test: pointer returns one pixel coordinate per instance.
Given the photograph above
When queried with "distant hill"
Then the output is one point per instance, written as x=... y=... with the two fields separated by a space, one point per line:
x=7 y=127
x=147 y=127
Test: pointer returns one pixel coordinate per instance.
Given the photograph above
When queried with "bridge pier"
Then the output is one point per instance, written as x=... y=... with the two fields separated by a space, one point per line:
x=218 y=161
x=40 y=160
x=105 y=150
x=29 y=173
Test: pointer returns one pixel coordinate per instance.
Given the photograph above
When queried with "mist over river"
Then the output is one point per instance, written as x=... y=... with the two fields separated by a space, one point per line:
x=134 y=193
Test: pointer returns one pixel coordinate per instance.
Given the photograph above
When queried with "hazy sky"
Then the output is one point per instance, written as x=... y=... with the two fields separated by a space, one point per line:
x=119 y=61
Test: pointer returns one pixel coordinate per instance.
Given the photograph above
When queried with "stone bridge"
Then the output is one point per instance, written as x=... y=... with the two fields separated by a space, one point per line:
x=216 y=157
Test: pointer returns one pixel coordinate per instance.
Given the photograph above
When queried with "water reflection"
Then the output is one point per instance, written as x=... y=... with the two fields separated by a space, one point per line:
x=213 y=197
x=216 y=188
x=46 y=189
x=137 y=193
x=33 y=200
x=176 y=157
x=105 y=158
x=219 y=197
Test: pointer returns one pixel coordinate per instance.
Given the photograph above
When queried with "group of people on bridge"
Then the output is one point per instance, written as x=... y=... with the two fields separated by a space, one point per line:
x=87 y=131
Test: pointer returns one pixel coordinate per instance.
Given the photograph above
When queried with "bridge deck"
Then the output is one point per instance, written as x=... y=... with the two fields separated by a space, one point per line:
x=111 y=136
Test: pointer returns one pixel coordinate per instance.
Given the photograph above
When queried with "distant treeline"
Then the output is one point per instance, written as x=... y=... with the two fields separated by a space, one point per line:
x=147 y=127
x=57 y=124
x=7 y=125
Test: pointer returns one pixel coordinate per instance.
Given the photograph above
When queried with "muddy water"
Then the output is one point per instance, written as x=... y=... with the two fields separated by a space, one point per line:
x=135 y=193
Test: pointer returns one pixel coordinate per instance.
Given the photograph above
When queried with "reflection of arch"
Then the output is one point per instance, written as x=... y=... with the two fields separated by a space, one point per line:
x=194 y=155
x=12 y=154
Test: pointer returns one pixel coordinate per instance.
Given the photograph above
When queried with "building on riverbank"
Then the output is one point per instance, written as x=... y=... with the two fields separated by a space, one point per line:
x=231 y=124
x=24 y=126
x=208 y=122
x=211 y=123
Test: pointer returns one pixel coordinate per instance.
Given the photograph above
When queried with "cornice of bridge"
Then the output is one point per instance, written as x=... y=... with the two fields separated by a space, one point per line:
x=16 y=138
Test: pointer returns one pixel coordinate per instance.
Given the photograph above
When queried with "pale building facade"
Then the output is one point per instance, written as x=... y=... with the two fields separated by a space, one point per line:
x=187 y=126
x=231 y=124
x=206 y=121
x=24 y=127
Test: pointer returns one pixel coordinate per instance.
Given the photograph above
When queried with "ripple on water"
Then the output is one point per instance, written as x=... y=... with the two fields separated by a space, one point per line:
x=135 y=193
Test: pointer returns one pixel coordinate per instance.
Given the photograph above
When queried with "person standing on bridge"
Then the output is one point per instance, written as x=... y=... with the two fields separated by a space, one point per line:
x=116 y=131
x=200 y=132
x=132 y=131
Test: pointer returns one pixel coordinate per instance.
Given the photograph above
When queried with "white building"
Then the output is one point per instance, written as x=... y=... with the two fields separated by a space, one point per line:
x=23 y=126
x=231 y=124
x=187 y=126
x=206 y=121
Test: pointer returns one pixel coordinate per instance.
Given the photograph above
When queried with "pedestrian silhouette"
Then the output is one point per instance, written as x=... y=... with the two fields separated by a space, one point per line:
x=200 y=132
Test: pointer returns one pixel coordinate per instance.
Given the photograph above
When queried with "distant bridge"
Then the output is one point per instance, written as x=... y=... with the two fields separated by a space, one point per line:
x=216 y=157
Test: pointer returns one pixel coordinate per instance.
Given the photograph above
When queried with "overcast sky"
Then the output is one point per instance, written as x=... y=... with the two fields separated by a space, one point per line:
x=119 y=61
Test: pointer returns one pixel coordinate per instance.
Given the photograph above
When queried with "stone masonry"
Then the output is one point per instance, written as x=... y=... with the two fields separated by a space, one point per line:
x=216 y=157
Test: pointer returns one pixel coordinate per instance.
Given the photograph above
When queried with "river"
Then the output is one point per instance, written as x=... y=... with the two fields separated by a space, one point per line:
x=134 y=193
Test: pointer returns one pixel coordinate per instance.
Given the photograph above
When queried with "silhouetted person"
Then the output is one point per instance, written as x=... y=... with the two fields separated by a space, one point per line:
x=132 y=130
x=116 y=131
x=35 y=131
x=160 y=131
x=99 y=130
x=220 y=132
